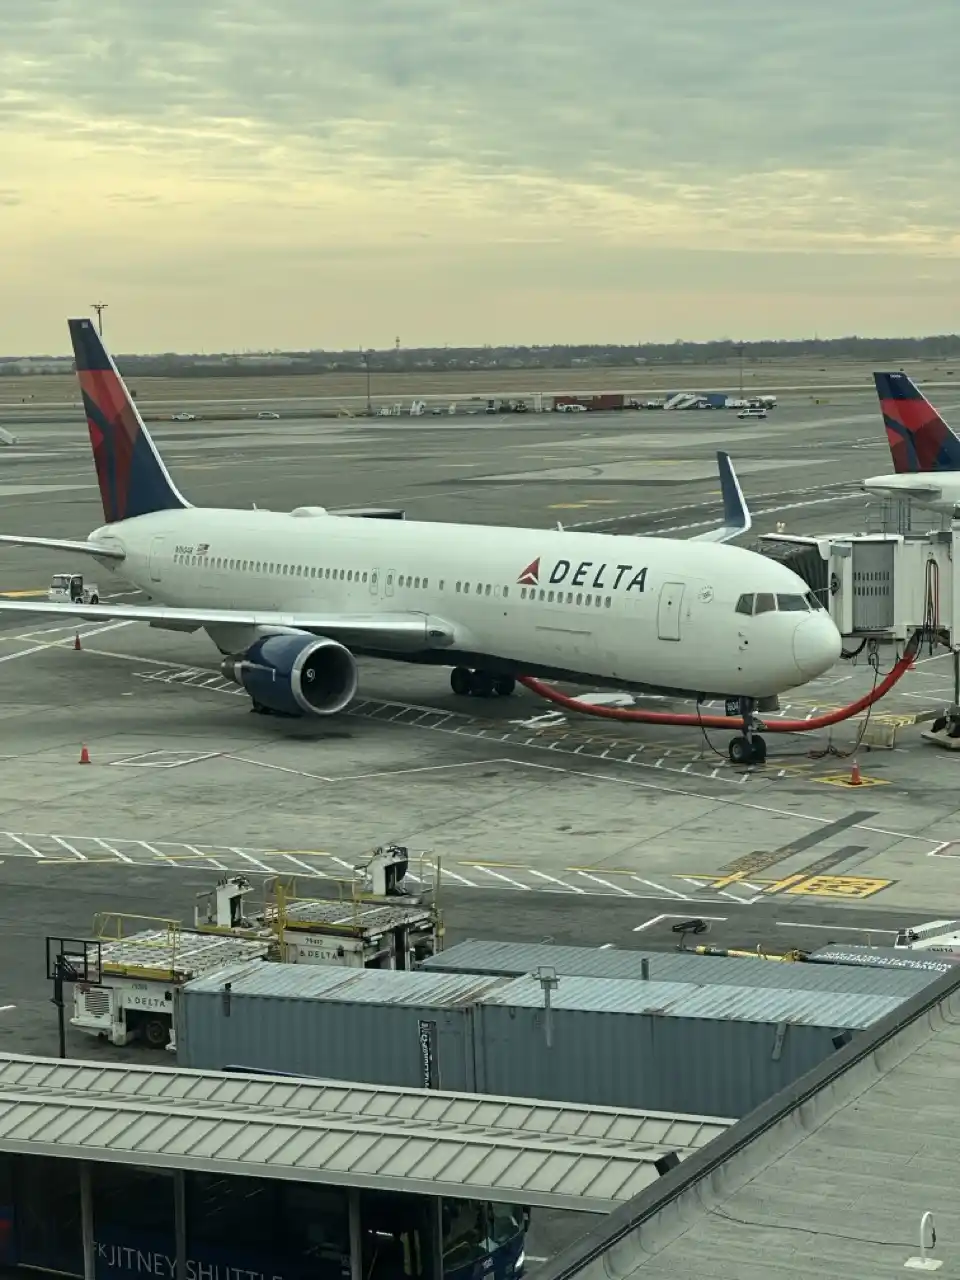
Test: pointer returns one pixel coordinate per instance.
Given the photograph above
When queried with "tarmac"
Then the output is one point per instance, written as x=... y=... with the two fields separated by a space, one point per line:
x=545 y=826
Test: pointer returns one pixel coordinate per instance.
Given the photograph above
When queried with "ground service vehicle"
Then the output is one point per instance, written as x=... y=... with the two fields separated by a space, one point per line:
x=71 y=588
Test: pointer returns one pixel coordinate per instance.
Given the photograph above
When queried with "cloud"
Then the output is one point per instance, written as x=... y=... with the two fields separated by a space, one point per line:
x=727 y=125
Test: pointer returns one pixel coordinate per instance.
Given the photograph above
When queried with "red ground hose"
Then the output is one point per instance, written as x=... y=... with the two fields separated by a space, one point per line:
x=730 y=722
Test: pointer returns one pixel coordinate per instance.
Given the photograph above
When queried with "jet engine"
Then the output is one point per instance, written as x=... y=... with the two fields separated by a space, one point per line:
x=295 y=675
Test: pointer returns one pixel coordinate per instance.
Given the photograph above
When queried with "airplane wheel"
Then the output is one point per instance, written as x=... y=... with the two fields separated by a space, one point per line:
x=482 y=684
x=739 y=751
x=504 y=686
x=460 y=681
x=94 y=599
x=759 y=750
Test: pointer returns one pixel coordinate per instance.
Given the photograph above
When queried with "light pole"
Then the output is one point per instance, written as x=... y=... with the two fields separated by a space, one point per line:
x=740 y=351
x=99 y=308
x=365 y=356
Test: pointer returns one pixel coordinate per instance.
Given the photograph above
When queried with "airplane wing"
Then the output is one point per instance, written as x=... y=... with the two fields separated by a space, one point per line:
x=403 y=631
x=64 y=544
x=736 y=514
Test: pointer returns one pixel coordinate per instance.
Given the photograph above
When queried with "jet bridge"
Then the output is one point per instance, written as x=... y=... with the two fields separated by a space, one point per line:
x=879 y=586
x=886 y=587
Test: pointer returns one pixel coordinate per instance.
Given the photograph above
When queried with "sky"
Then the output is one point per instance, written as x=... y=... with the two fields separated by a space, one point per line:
x=271 y=174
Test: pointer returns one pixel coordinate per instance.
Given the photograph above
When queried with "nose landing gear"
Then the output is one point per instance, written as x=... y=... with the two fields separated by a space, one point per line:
x=749 y=747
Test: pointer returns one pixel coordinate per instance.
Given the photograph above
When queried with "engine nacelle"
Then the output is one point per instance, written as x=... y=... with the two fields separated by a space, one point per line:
x=295 y=675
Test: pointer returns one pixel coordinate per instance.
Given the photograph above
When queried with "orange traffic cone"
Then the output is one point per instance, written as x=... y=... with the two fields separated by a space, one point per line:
x=855 y=779
x=84 y=755
x=76 y=643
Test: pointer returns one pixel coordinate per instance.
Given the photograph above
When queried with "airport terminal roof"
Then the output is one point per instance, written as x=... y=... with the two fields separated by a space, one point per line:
x=554 y=1155
x=899 y=974
x=828 y=1178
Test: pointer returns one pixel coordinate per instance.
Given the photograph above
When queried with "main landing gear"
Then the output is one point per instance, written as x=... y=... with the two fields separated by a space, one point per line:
x=749 y=747
x=480 y=684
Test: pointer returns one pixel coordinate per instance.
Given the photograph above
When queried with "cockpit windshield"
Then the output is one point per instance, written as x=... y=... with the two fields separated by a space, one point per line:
x=756 y=602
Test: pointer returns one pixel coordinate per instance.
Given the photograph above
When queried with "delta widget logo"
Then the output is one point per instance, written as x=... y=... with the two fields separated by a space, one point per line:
x=530 y=577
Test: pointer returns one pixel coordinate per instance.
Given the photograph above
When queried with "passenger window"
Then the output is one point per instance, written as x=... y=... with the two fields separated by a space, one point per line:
x=791 y=604
x=543 y=594
x=343 y=574
x=579 y=597
x=523 y=593
x=597 y=600
x=479 y=588
x=416 y=582
x=607 y=602
x=766 y=603
x=364 y=577
x=350 y=575
x=426 y=584
x=588 y=600
x=745 y=604
x=550 y=598
x=458 y=586
x=569 y=597
x=506 y=592
x=487 y=591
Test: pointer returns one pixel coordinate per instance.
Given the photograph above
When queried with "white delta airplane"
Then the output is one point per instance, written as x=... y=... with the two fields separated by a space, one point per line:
x=291 y=599
x=925 y=452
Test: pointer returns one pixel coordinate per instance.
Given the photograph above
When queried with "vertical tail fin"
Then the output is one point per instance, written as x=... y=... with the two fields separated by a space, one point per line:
x=919 y=438
x=133 y=480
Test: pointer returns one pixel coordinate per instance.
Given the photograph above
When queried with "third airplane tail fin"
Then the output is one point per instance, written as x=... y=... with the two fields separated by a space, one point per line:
x=133 y=480
x=919 y=438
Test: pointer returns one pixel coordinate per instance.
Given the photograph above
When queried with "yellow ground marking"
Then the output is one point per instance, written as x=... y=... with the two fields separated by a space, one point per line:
x=843 y=780
x=17 y=595
x=779 y=885
x=840 y=887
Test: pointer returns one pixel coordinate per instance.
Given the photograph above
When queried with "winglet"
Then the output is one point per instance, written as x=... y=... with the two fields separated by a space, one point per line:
x=737 y=519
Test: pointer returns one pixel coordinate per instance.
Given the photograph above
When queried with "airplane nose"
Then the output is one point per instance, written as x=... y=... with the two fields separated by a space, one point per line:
x=816 y=646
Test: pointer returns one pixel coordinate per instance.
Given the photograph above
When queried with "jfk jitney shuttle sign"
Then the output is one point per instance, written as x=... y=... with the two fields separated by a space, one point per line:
x=141 y=1262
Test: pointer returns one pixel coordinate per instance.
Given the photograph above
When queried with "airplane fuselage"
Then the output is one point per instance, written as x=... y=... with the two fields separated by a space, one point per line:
x=637 y=612
x=937 y=491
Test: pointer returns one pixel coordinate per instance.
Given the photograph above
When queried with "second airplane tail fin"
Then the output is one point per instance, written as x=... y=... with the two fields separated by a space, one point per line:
x=133 y=480
x=919 y=438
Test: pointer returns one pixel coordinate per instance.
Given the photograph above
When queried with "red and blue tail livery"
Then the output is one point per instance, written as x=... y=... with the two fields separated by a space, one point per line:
x=919 y=438
x=133 y=480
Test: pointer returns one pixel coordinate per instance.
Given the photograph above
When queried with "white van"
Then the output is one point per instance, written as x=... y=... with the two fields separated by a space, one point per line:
x=752 y=413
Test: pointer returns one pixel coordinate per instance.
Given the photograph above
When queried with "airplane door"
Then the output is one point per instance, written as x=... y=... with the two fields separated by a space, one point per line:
x=668 y=613
x=156 y=550
x=374 y=582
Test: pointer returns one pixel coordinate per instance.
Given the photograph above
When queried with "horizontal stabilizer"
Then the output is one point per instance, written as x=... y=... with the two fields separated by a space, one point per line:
x=393 y=631
x=64 y=544
x=736 y=515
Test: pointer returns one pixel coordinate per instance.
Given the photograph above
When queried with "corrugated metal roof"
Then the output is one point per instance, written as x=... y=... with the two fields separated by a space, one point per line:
x=684 y=1000
x=528 y=1152
x=519 y=958
x=360 y=986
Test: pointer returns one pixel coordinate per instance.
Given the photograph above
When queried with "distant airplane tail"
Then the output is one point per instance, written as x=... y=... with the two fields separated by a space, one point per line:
x=919 y=438
x=133 y=480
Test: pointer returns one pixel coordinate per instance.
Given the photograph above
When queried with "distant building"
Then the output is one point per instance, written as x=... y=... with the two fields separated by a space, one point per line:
x=37 y=364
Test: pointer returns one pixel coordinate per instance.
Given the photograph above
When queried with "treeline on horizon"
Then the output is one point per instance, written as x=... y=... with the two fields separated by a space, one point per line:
x=938 y=347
